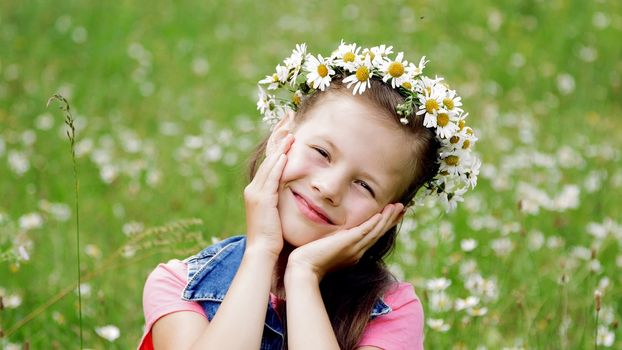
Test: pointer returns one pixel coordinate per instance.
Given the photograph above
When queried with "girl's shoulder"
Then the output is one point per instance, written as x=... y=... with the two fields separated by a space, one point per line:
x=399 y=294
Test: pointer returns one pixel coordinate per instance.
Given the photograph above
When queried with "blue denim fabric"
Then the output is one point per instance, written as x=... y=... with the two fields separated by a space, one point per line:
x=210 y=273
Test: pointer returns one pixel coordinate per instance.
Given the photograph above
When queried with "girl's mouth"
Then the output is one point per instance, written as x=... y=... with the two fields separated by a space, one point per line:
x=308 y=211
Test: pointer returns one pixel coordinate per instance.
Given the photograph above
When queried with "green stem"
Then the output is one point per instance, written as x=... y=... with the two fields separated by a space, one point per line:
x=71 y=134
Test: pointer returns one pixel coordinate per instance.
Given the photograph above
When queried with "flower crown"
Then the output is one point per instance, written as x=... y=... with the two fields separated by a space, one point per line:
x=302 y=74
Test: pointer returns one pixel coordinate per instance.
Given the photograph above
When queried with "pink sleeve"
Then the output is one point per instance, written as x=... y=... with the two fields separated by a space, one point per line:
x=162 y=296
x=400 y=329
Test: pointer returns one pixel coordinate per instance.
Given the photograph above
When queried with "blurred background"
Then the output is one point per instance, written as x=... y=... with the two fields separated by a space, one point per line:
x=163 y=96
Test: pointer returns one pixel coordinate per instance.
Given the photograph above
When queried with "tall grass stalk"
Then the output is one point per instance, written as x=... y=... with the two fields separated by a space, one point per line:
x=71 y=134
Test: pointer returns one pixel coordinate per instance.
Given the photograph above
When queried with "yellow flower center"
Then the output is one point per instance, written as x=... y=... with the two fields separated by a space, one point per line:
x=349 y=57
x=371 y=55
x=469 y=131
x=449 y=103
x=396 y=69
x=466 y=144
x=362 y=73
x=454 y=139
x=322 y=70
x=296 y=99
x=461 y=124
x=431 y=105
x=452 y=160
x=407 y=85
x=275 y=77
x=442 y=119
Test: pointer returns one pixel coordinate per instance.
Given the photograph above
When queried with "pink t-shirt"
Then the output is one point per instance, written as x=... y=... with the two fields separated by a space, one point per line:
x=400 y=329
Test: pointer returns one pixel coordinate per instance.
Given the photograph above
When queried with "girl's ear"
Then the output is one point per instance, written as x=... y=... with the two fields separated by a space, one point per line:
x=280 y=130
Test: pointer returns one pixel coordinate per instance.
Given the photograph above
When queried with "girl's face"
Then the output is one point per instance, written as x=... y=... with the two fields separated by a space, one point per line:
x=347 y=162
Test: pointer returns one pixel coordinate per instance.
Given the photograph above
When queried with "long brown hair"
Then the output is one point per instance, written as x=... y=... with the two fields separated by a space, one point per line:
x=349 y=294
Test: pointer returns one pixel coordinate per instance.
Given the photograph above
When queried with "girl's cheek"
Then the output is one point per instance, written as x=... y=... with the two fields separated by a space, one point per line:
x=295 y=165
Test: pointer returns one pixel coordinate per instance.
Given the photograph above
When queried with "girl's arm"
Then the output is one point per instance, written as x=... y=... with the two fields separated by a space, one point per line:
x=306 y=313
x=308 y=324
x=239 y=322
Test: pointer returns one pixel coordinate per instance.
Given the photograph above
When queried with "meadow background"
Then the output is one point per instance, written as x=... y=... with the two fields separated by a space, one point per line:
x=163 y=95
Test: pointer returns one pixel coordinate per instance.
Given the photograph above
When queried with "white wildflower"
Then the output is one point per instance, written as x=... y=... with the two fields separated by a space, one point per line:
x=468 y=244
x=438 y=325
x=109 y=332
x=12 y=301
x=469 y=302
x=604 y=336
x=477 y=311
x=440 y=302
x=30 y=221
x=438 y=284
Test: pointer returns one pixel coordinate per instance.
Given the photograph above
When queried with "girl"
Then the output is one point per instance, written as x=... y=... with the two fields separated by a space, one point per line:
x=348 y=153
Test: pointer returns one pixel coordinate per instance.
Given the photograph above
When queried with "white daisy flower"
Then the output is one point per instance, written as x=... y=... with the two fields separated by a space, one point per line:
x=378 y=54
x=438 y=284
x=444 y=123
x=297 y=98
x=463 y=304
x=450 y=200
x=440 y=302
x=295 y=61
x=414 y=70
x=604 y=337
x=426 y=85
x=274 y=80
x=464 y=138
x=361 y=77
x=395 y=70
x=477 y=311
x=452 y=102
x=320 y=72
x=410 y=85
x=429 y=104
x=470 y=175
x=451 y=162
x=297 y=56
x=109 y=332
x=265 y=102
x=438 y=325
x=468 y=244
x=345 y=56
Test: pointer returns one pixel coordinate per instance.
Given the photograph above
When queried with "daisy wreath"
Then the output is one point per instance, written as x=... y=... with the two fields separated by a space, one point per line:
x=302 y=74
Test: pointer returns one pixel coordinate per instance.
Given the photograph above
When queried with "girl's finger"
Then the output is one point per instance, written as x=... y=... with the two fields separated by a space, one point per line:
x=272 y=181
x=371 y=237
x=268 y=163
x=397 y=215
x=390 y=214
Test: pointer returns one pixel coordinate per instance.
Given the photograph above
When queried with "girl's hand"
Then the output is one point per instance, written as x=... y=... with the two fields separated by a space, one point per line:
x=263 y=224
x=345 y=247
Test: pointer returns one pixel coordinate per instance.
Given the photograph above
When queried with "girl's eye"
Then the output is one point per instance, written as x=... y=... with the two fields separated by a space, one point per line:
x=367 y=187
x=322 y=152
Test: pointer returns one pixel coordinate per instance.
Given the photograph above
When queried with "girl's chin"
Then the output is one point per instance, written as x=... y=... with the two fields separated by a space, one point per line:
x=300 y=237
x=295 y=240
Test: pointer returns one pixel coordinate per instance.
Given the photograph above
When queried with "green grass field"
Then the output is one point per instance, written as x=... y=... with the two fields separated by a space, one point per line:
x=163 y=95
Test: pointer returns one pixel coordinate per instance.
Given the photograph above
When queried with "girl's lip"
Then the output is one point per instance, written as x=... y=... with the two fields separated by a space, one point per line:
x=308 y=211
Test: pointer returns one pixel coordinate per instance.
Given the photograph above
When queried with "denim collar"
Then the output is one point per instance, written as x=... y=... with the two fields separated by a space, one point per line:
x=211 y=271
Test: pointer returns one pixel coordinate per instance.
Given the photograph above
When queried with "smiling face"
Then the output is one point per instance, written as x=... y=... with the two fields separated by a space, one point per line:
x=347 y=162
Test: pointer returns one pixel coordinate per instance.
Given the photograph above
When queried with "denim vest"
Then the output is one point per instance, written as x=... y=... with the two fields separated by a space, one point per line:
x=210 y=273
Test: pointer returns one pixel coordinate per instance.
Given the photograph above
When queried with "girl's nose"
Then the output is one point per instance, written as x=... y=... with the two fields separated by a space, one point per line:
x=330 y=186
